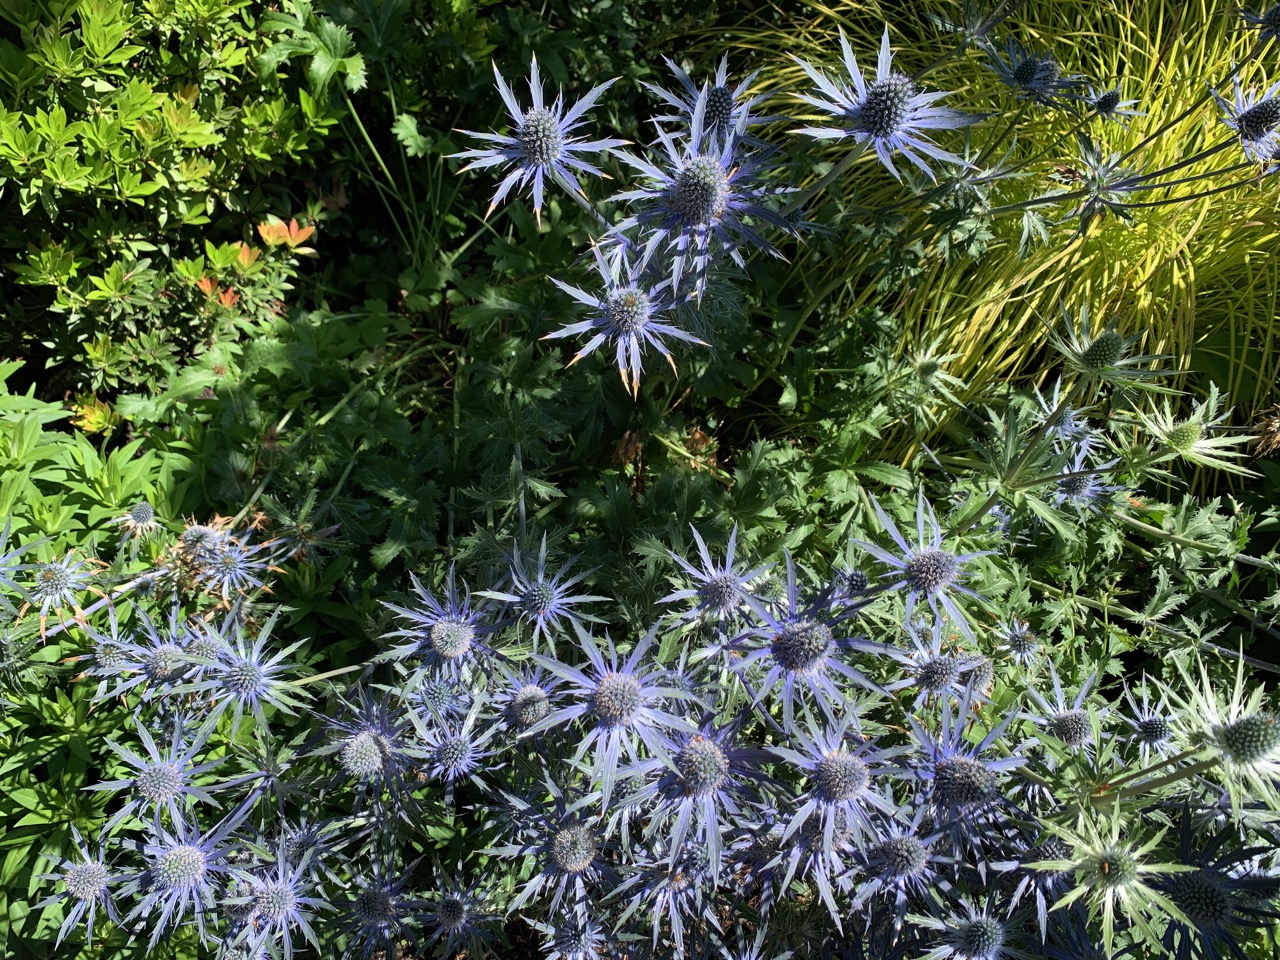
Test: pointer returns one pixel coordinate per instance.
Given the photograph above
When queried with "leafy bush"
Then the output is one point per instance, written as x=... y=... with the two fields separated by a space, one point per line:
x=458 y=676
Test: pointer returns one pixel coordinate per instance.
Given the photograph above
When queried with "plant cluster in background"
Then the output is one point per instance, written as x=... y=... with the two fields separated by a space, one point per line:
x=861 y=611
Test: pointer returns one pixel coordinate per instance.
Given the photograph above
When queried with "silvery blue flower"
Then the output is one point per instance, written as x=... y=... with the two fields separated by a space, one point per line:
x=1033 y=76
x=633 y=311
x=380 y=915
x=721 y=590
x=542 y=145
x=728 y=110
x=1267 y=22
x=278 y=902
x=86 y=879
x=1107 y=105
x=933 y=672
x=926 y=568
x=163 y=780
x=456 y=916
x=700 y=202
x=541 y=599
x=622 y=702
x=444 y=635
x=890 y=114
x=1256 y=120
x=803 y=650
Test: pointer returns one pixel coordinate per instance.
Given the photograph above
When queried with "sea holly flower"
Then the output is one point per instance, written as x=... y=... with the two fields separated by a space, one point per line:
x=1103 y=358
x=444 y=635
x=86 y=879
x=278 y=903
x=1080 y=485
x=728 y=110
x=635 y=310
x=1107 y=104
x=698 y=204
x=524 y=699
x=622 y=702
x=1069 y=721
x=972 y=933
x=380 y=915
x=184 y=871
x=1267 y=21
x=163 y=780
x=890 y=114
x=1151 y=724
x=1255 y=118
x=565 y=836
x=237 y=567
x=57 y=585
x=246 y=675
x=157 y=659
x=1106 y=186
x=698 y=780
x=1019 y=641
x=542 y=600
x=137 y=523
x=721 y=590
x=542 y=145
x=1224 y=894
x=10 y=568
x=901 y=864
x=1064 y=424
x=456 y=915
x=802 y=650
x=1044 y=885
x=926 y=568
x=964 y=789
x=1033 y=76
x=457 y=751
x=1240 y=737
x=573 y=937
x=935 y=673
x=841 y=768
x=1111 y=871
x=374 y=745
x=674 y=885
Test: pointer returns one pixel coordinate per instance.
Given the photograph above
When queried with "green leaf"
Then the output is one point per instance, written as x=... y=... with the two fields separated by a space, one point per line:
x=406 y=131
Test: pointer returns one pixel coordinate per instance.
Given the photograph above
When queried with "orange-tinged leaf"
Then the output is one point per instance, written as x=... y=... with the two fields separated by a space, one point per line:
x=248 y=254
x=297 y=236
x=228 y=298
x=206 y=286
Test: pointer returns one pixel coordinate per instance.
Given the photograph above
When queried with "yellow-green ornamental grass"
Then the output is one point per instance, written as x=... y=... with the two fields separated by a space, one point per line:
x=1195 y=280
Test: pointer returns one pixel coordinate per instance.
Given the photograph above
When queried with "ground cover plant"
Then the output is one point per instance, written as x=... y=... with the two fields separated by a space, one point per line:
x=595 y=559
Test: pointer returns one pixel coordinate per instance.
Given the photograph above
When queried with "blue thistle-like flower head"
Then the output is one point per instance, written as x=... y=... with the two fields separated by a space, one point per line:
x=841 y=768
x=1227 y=892
x=635 y=310
x=926 y=568
x=699 y=203
x=622 y=702
x=1255 y=118
x=165 y=780
x=728 y=110
x=458 y=751
x=1080 y=485
x=444 y=635
x=902 y=863
x=1033 y=76
x=456 y=915
x=276 y=903
x=803 y=650
x=890 y=113
x=721 y=591
x=1267 y=21
x=380 y=915
x=244 y=676
x=545 y=601
x=931 y=668
x=567 y=839
x=963 y=783
x=1069 y=721
x=182 y=875
x=542 y=144
x=374 y=745
x=1151 y=723
x=58 y=584
x=972 y=933
x=86 y=880
x=695 y=782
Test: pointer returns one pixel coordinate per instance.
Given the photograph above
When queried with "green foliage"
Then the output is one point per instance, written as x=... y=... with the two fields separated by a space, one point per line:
x=135 y=139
